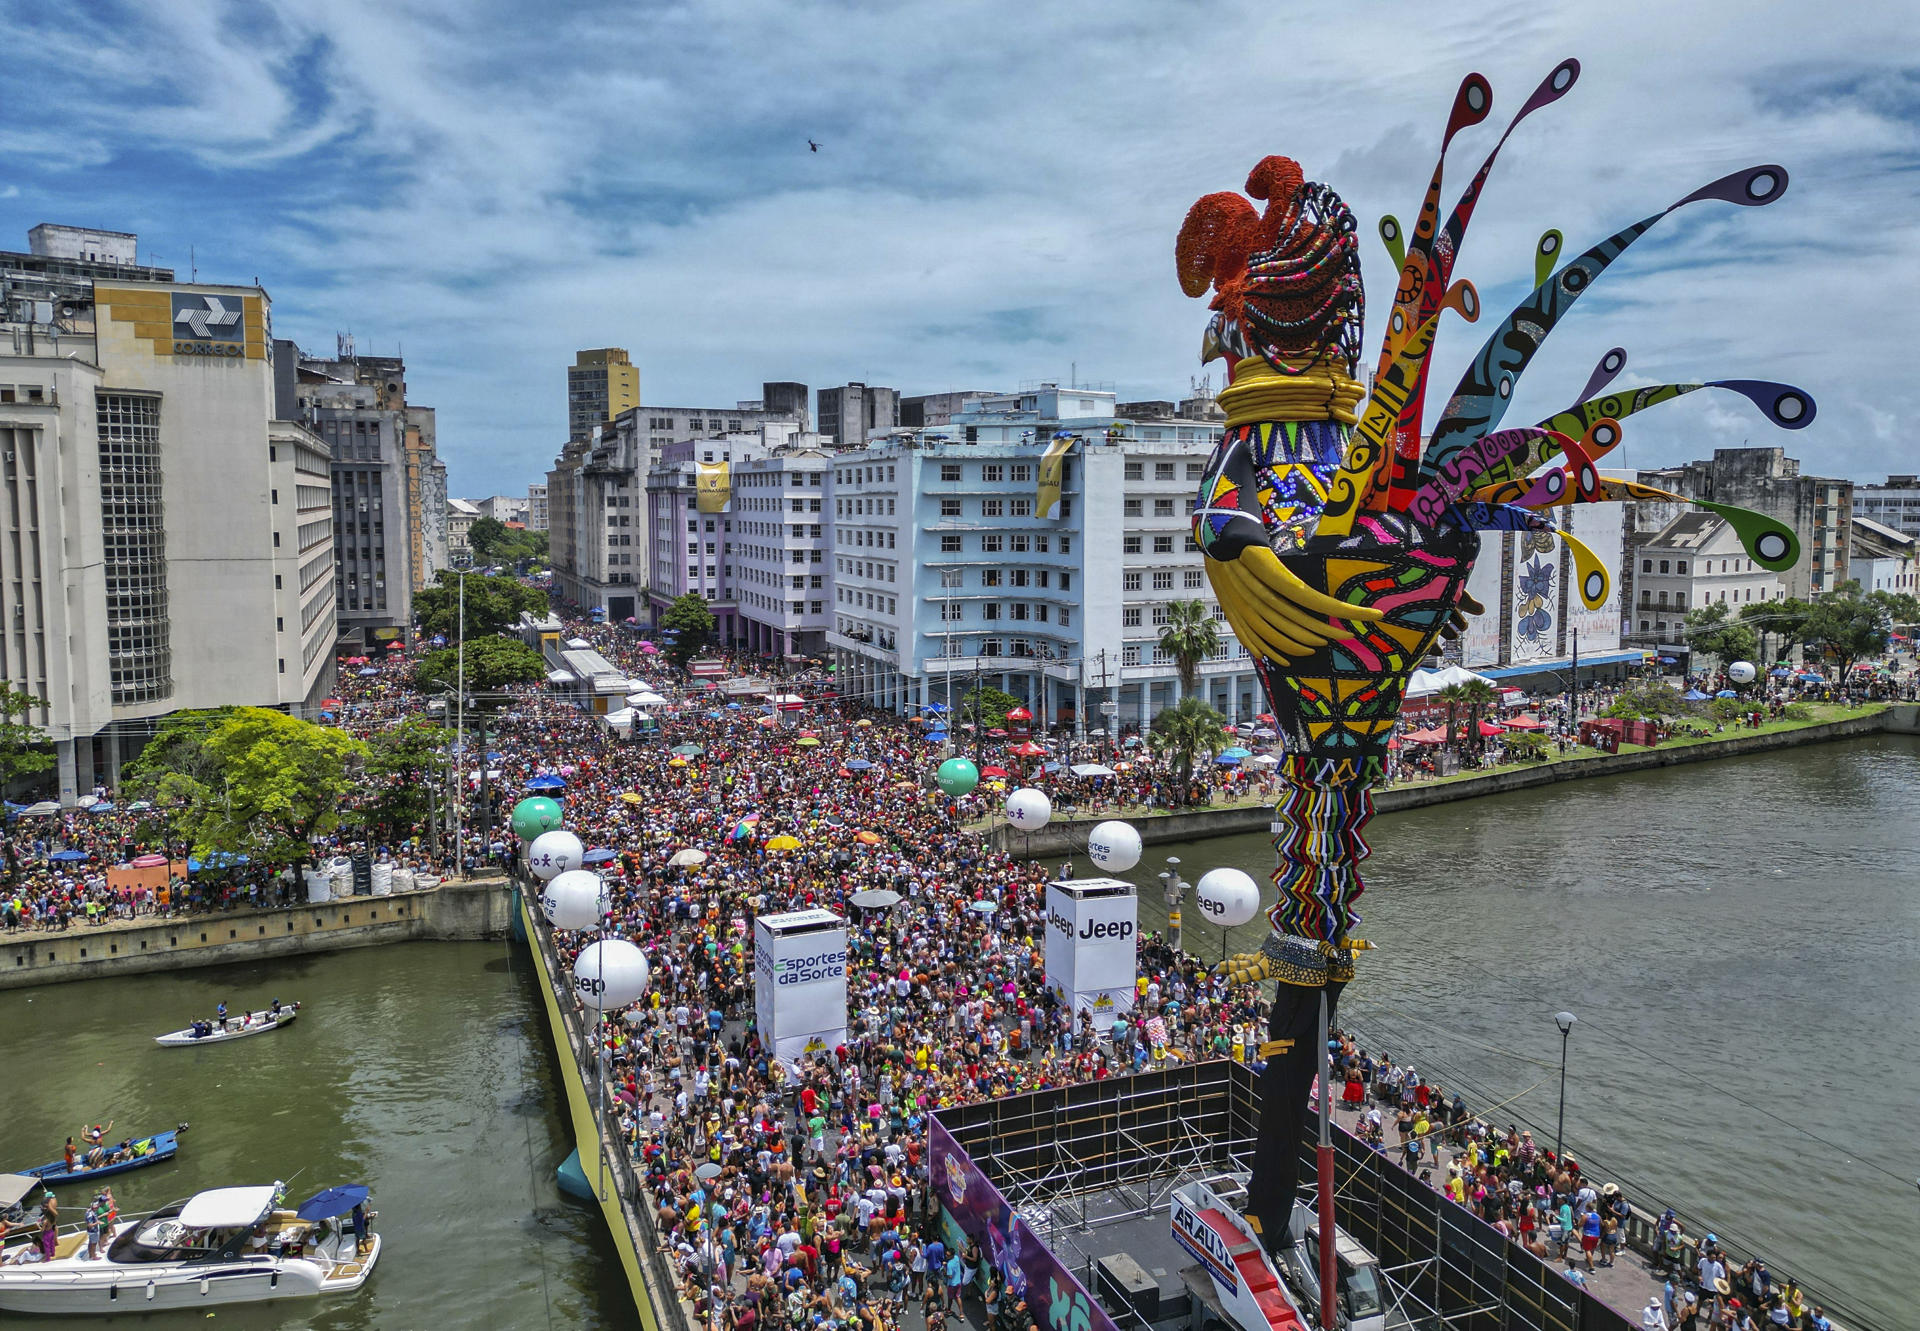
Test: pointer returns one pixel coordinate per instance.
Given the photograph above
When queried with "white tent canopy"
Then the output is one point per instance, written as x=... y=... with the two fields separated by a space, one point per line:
x=645 y=698
x=560 y=677
x=1091 y=769
x=1432 y=681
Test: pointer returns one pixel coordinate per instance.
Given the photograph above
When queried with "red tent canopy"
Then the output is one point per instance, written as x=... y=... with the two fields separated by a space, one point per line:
x=1489 y=728
x=1434 y=736
x=1028 y=750
x=1019 y=714
x=1524 y=723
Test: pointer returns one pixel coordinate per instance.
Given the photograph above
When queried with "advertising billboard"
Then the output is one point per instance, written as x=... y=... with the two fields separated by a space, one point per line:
x=1092 y=943
x=800 y=982
x=1055 y=1298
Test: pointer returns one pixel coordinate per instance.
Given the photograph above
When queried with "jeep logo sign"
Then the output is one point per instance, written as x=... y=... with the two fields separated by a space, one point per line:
x=1107 y=929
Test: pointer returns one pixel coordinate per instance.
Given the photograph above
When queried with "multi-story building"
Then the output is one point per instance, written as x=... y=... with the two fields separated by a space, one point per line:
x=504 y=508
x=951 y=566
x=782 y=516
x=537 y=507
x=1696 y=560
x=160 y=524
x=1818 y=508
x=691 y=534
x=1895 y=504
x=1883 y=559
x=599 y=561
x=600 y=385
x=934 y=409
x=854 y=413
x=388 y=488
x=461 y=515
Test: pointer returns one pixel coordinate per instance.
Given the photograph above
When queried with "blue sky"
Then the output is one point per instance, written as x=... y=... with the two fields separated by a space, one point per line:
x=489 y=187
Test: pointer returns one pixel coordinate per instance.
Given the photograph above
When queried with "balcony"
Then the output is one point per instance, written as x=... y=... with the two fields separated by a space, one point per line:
x=865 y=648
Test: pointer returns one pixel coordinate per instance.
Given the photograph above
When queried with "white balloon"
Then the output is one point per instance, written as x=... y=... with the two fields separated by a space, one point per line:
x=610 y=974
x=1114 y=846
x=553 y=853
x=1742 y=672
x=1029 y=809
x=1229 y=896
x=576 y=899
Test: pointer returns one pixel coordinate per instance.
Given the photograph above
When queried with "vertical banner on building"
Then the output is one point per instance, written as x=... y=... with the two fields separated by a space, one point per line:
x=1092 y=932
x=972 y=1208
x=714 y=487
x=800 y=982
x=1053 y=466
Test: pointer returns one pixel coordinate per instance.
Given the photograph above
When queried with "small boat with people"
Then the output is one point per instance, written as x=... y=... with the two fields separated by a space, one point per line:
x=99 y=1158
x=224 y=1027
x=225 y=1245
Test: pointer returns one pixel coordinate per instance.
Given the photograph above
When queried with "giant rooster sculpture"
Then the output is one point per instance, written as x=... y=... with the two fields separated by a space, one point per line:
x=1340 y=547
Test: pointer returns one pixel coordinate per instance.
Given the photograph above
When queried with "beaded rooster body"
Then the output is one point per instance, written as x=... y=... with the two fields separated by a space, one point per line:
x=1340 y=534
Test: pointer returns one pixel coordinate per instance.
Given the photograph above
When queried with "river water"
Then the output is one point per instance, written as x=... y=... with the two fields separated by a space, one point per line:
x=1740 y=942
x=420 y=1069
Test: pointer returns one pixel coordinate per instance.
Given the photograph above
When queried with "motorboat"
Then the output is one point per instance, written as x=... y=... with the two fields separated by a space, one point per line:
x=230 y=1028
x=131 y=1153
x=226 y=1245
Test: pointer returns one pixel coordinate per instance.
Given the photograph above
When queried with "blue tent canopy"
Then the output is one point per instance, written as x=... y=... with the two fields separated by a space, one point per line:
x=1693 y=695
x=331 y=1202
x=598 y=855
x=220 y=859
x=1236 y=752
x=1049 y=767
x=104 y=806
x=934 y=707
x=1726 y=693
x=546 y=781
x=858 y=765
x=1227 y=760
x=935 y=737
x=367 y=671
x=68 y=856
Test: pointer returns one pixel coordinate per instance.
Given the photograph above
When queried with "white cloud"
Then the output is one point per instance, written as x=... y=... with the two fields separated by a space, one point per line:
x=997 y=192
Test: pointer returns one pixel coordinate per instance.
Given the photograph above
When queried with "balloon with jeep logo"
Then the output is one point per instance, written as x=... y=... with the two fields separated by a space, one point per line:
x=610 y=974
x=1114 y=846
x=1228 y=897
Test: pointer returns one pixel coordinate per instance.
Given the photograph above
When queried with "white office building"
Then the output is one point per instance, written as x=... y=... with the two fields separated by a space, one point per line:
x=166 y=539
x=781 y=516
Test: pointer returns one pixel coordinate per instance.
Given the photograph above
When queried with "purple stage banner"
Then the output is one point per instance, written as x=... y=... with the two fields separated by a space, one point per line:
x=1055 y=1296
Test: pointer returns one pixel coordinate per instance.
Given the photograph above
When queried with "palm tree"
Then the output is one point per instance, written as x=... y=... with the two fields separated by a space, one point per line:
x=1185 y=732
x=1478 y=695
x=1452 y=696
x=1192 y=635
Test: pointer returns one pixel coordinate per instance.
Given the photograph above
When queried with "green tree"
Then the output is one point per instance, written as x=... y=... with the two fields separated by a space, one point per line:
x=24 y=748
x=987 y=707
x=491 y=663
x=494 y=605
x=1712 y=630
x=1780 y=625
x=1650 y=702
x=1479 y=698
x=177 y=774
x=1903 y=608
x=1849 y=627
x=692 y=622
x=1190 y=637
x=1185 y=733
x=255 y=781
x=406 y=767
x=485 y=535
x=1456 y=700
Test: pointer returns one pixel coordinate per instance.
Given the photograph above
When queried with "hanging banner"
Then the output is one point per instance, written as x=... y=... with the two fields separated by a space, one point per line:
x=976 y=1209
x=1092 y=932
x=1053 y=466
x=714 y=487
x=800 y=983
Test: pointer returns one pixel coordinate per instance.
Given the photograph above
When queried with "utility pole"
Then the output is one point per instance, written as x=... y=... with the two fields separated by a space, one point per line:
x=460 y=732
x=1574 y=710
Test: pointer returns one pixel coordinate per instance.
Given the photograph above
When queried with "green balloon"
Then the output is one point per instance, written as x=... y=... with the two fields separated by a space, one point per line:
x=957 y=776
x=534 y=815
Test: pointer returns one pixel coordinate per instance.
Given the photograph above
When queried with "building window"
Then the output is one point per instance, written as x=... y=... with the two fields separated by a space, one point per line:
x=1130 y=508
x=1163 y=508
x=133 y=532
x=990 y=471
x=991 y=544
x=949 y=508
x=992 y=508
x=950 y=543
x=1195 y=471
x=1020 y=508
x=949 y=471
x=1130 y=617
x=1163 y=471
x=1130 y=545
x=1159 y=616
x=1130 y=582
x=989 y=577
x=990 y=610
x=1663 y=566
x=1194 y=578
x=1021 y=471
x=1680 y=566
x=1163 y=545
x=1134 y=471
x=1130 y=654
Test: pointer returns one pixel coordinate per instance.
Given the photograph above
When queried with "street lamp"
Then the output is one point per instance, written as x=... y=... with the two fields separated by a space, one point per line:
x=1564 y=1020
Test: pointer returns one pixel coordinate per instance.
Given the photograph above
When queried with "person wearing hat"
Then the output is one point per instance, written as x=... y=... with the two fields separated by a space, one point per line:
x=1653 y=1317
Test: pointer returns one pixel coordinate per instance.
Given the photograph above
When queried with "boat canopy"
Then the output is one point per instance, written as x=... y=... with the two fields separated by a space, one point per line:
x=15 y=1187
x=331 y=1202
x=227 y=1208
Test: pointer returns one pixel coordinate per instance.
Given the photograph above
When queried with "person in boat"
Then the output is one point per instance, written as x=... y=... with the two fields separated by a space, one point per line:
x=221 y=1013
x=70 y=1154
x=361 y=1228
x=275 y=1009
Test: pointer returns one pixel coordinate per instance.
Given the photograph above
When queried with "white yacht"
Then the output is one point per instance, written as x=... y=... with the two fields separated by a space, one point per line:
x=227 y=1245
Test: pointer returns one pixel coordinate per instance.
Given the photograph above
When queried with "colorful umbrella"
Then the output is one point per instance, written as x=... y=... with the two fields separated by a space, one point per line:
x=784 y=842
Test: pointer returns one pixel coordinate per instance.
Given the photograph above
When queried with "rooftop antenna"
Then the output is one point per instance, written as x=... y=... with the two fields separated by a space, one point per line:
x=193 y=265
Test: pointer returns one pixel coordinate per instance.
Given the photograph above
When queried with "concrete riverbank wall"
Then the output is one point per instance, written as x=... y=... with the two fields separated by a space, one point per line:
x=603 y=1158
x=474 y=908
x=1069 y=835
